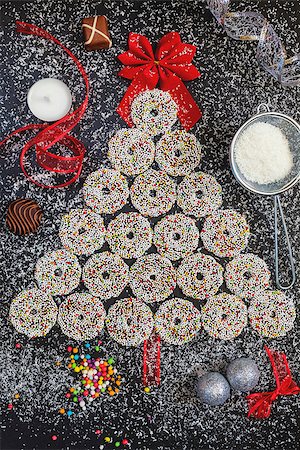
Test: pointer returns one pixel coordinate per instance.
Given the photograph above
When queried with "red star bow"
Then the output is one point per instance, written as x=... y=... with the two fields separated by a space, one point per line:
x=260 y=403
x=170 y=65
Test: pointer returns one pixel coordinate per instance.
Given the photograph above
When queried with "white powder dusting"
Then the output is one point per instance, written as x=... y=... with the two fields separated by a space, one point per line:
x=263 y=154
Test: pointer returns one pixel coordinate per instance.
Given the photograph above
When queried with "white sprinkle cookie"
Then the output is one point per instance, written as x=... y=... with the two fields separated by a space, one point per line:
x=33 y=313
x=177 y=321
x=199 y=194
x=105 y=275
x=58 y=272
x=199 y=276
x=178 y=153
x=154 y=111
x=129 y=322
x=129 y=235
x=225 y=233
x=272 y=314
x=105 y=191
x=131 y=151
x=153 y=193
x=82 y=231
x=152 y=278
x=246 y=275
x=81 y=316
x=224 y=316
x=176 y=236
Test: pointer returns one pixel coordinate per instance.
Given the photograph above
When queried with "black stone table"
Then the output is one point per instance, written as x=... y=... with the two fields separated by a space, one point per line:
x=231 y=87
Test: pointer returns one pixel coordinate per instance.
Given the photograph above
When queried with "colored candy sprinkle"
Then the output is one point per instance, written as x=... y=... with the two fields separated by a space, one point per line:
x=98 y=376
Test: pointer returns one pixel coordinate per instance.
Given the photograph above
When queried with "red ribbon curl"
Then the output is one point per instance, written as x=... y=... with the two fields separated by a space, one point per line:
x=58 y=132
x=260 y=403
x=170 y=65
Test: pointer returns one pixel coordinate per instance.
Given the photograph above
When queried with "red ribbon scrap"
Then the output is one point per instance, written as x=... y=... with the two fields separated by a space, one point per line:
x=151 y=361
x=260 y=403
x=170 y=65
x=57 y=132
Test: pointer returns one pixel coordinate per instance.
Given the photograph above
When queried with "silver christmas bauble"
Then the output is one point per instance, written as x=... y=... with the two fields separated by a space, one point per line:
x=243 y=374
x=213 y=389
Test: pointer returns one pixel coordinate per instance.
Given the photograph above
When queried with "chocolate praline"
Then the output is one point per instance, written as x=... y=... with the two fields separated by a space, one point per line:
x=23 y=216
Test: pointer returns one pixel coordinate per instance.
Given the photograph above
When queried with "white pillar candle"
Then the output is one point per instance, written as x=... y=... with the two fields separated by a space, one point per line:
x=49 y=99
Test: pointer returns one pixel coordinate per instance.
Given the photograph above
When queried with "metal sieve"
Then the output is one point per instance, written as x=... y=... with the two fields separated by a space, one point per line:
x=291 y=130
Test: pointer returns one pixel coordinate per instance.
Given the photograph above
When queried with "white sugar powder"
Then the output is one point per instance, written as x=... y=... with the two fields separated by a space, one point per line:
x=262 y=154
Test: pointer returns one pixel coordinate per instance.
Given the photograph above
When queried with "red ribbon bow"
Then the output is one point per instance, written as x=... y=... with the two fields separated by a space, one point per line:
x=170 y=66
x=260 y=403
x=57 y=132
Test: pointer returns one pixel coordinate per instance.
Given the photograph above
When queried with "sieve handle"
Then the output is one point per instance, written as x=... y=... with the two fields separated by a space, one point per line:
x=277 y=206
x=263 y=108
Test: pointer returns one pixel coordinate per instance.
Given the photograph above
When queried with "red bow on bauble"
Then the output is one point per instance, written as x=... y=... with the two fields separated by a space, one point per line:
x=170 y=65
x=260 y=403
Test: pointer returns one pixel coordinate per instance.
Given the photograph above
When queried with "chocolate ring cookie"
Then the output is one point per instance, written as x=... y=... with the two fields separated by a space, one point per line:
x=176 y=236
x=152 y=278
x=23 y=216
x=129 y=235
x=58 y=272
x=272 y=314
x=178 y=153
x=105 y=191
x=82 y=231
x=154 y=111
x=199 y=276
x=131 y=151
x=224 y=316
x=153 y=193
x=33 y=313
x=199 y=194
x=246 y=275
x=177 y=321
x=129 y=322
x=225 y=233
x=81 y=316
x=105 y=275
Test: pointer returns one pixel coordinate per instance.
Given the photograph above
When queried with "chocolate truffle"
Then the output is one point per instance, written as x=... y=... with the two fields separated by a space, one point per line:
x=95 y=33
x=23 y=216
